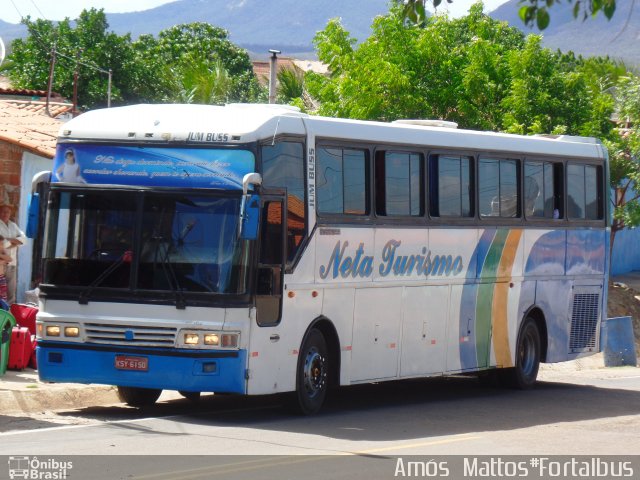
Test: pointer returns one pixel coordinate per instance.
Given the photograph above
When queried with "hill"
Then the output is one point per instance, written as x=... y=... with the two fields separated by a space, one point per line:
x=617 y=38
x=287 y=25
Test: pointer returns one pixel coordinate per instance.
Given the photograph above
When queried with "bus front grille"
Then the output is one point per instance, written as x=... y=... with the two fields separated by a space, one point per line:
x=147 y=336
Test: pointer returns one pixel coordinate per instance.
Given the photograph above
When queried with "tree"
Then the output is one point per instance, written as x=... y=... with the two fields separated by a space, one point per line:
x=474 y=70
x=190 y=50
x=86 y=46
x=531 y=11
x=624 y=155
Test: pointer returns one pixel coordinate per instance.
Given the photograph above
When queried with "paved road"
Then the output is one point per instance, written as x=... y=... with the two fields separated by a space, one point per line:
x=587 y=412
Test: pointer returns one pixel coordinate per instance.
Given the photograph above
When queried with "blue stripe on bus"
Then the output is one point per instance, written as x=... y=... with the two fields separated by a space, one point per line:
x=67 y=364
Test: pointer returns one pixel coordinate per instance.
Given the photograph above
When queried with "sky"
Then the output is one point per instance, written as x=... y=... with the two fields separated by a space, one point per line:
x=12 y=10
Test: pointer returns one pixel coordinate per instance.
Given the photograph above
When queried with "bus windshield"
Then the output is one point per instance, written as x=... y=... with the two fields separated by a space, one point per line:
x=145 y=241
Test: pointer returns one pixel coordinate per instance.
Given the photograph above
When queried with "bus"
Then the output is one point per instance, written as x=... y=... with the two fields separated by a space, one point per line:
x=255 y=249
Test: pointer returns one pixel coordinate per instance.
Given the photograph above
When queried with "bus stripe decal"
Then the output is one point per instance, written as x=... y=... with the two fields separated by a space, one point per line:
x=484 y=300
x=500 y=325
x=467 y=345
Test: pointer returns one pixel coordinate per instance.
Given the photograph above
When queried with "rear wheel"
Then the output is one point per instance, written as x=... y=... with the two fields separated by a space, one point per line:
x=138 y=397
x=312 y=373
x=523 y=376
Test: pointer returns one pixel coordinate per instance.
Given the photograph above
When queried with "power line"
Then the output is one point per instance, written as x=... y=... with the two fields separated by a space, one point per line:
x=17 y=10
x=38 y=9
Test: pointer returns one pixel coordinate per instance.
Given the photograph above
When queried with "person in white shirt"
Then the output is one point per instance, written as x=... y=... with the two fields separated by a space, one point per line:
x=13 y=238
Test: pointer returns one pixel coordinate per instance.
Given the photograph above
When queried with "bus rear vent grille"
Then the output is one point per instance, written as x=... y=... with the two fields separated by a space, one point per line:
x=584 y=321
x=140 y=335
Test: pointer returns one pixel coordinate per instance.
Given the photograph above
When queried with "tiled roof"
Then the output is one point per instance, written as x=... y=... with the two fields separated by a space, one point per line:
x=32 y=130
x=55 y=108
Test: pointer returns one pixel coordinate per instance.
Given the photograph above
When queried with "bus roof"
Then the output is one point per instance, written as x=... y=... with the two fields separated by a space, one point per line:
x=243 y=123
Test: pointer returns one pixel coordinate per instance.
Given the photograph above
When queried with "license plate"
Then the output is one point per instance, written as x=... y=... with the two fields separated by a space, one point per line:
x=140 y=364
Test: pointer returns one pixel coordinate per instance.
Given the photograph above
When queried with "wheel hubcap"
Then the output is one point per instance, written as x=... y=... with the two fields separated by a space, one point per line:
x=315 y=373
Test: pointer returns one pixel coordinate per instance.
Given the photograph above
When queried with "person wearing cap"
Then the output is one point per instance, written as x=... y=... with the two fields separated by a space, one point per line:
x=13 y=238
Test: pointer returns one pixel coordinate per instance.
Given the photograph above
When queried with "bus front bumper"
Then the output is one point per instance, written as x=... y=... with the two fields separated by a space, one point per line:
x=220 y=371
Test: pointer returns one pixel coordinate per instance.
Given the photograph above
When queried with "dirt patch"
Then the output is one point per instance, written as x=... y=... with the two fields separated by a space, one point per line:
x=624 y=301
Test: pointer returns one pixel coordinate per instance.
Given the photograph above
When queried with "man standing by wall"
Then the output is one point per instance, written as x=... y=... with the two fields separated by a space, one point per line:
x=13 y=238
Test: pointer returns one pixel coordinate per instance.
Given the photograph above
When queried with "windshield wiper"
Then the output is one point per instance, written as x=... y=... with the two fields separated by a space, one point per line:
x=168 y=270
x=83 y=299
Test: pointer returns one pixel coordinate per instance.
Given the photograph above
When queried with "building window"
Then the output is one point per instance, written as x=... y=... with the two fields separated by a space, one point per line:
x=451 y=188
x=498 y=188
x=341 y=182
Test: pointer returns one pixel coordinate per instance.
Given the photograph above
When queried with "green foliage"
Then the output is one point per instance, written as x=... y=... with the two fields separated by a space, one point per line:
x=474 y=70
x=194 y=62
x=624 y=154
x=531 y=12
x=290 y=85
x=86 y=46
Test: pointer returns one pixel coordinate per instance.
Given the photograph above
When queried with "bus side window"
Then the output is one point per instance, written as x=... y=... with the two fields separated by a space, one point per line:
x=543 y=189
x=498 y=188
x=451 y=186
x=399 y=184
x=283 y=167
x=584 y=189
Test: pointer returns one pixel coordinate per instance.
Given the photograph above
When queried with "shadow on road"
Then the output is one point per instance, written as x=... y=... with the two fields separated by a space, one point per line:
x=397 y=410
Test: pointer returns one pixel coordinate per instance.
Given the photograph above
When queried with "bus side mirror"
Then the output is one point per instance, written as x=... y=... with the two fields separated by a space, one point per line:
x=32 y=216
x=250 y=218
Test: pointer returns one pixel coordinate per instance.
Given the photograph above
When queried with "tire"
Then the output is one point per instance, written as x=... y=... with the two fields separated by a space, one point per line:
x=312 y=374
x=528 y=351
x=191 y=396
x=138 y=397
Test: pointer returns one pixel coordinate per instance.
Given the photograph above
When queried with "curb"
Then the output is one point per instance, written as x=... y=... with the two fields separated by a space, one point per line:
x=22 y=392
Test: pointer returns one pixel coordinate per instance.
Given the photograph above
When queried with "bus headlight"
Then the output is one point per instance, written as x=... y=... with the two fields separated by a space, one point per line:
x=53 y=331
x=208 y=339
x=71 y=332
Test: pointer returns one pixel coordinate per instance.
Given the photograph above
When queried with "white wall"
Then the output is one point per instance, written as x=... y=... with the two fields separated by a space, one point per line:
x=31 y=164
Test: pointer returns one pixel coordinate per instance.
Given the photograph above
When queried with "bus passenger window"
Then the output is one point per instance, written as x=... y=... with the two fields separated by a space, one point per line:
x=341 y=181
x=542 y=189
x=450 y=189
x=498 y=188
x=584 y=192
x=399 y=184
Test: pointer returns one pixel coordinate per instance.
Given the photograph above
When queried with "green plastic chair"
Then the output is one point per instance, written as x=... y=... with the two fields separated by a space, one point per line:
x=7 y=322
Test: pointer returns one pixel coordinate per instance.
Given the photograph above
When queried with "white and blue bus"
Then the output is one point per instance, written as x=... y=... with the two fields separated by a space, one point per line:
x=253 y=249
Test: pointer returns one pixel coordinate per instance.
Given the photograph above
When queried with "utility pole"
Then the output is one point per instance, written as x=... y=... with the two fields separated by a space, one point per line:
x=50 y=86
x=273 y=70
x=75 y=84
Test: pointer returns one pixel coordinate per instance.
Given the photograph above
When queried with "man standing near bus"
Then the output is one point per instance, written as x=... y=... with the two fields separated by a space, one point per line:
x=13 y=238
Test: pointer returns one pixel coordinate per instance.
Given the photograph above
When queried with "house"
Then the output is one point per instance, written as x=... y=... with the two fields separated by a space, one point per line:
x=27 y=146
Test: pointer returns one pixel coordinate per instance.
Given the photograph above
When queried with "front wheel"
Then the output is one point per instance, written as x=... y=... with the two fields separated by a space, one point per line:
x=312 y=373
x=523 y=376
x=138 y=397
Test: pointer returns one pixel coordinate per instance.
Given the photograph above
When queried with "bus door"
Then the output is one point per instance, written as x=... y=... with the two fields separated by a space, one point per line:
x=267 y=349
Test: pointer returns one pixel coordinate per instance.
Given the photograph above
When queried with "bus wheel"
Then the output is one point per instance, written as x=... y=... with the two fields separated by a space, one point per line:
x=523 y=375
x=311 y=377
x=191 y=396
x=138 y=397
